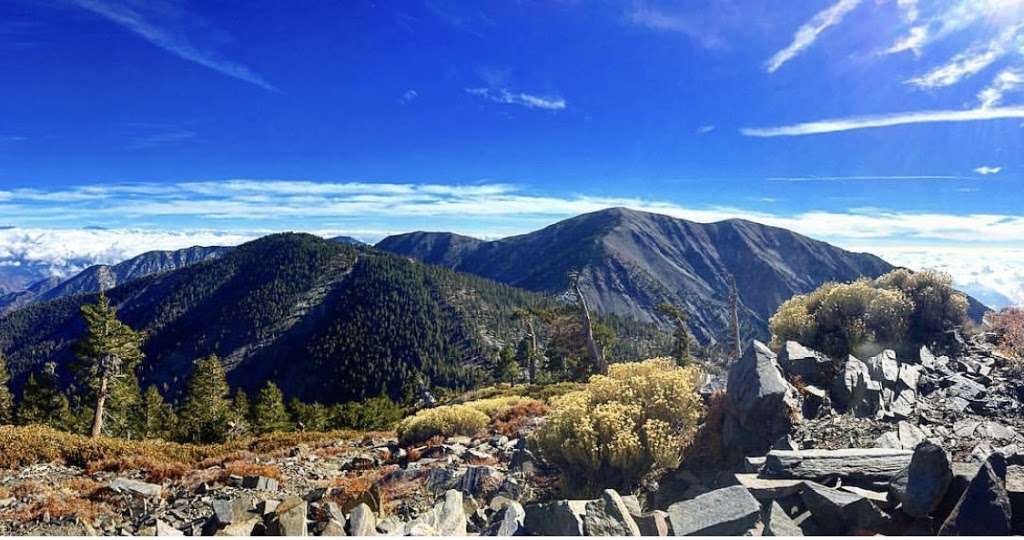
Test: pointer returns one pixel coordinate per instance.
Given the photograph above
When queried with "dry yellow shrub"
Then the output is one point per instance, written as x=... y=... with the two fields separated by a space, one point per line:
x=623 y=427
x=444 y=421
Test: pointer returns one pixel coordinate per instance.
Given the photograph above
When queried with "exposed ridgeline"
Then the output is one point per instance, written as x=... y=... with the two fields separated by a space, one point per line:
x=100 y=277
x=633 y=261
x=324 y=320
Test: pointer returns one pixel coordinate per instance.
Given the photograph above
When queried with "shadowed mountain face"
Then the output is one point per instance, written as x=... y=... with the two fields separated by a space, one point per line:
x=101 y=277
x=325 y=320
x=631 y=261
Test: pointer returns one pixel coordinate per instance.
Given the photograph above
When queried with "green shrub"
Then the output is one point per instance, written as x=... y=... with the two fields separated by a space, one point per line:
x=444 y=421
x=621 y=428
x=839 y=318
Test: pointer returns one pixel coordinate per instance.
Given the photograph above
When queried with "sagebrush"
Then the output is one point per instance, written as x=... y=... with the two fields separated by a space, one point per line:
x=622 y=427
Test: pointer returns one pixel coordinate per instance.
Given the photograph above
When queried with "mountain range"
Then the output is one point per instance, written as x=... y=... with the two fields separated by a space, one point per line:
x=101 y=276
x=631 y=261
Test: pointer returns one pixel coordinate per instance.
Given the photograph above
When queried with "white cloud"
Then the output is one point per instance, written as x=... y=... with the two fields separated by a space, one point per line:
x=808 y=33
x=969 y=62
x=986 y=170
x=1006 y=81
x=143 y=19
x=705 y=129
x=865 y=177
x=994 y=275
x=886 y=120
x=914 y=41
x=530 y=101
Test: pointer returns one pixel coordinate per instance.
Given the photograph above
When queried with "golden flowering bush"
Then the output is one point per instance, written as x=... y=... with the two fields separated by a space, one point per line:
x=623 y=427
x=443 y=421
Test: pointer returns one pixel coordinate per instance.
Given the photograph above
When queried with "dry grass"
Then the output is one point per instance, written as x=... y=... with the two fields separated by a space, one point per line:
x=707 y=446
x=248 y=468
x=156 y=470
x=27 y=445
x=512 y=420
x=57 y=506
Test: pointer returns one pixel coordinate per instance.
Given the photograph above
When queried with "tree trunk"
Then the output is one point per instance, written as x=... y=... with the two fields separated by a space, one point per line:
x=531 y=362
x=101 y=400
x=600 y=366
x=734 y=319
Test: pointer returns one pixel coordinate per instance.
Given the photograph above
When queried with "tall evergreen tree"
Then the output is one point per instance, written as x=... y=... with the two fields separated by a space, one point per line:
x=269 y=413
x=204 y=414
x=42 y=402
x=158 y=418
x=241 y=413
x=506 y=368
x=681 y=346
x=108 y=355
x=6 y=399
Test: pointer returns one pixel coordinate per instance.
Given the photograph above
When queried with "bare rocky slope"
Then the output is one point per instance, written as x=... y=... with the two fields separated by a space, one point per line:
x=929 y=444
x=632 y=261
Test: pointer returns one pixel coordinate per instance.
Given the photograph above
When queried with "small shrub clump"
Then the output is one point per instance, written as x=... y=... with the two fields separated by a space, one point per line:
x=622 y=427
x=444 y=421
x=866 y=315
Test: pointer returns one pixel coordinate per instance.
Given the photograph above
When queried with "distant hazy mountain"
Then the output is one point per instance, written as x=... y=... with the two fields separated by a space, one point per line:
x=101 y=276
x=631 y=261
x=348 y=240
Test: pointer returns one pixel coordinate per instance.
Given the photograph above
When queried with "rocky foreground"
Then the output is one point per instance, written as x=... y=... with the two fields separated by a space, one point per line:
x=884 y=445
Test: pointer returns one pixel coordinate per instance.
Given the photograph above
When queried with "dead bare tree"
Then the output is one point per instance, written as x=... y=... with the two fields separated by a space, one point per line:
x=596 y=356
x=734 y=318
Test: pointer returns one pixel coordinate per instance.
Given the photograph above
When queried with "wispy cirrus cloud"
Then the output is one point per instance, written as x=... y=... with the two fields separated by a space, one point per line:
x=969 y=62
x=987 y=170
x=879 y=178
x=833 y=125
x=523 y=99
x=164 y=24
x=1004 y=82
x=808 y=33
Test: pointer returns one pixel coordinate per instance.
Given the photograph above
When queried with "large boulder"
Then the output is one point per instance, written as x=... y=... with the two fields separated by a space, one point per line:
x=928 y=478
x=557 y=518
x=289 y=519
x=362 y=521
x=609 y=516
x=810 y=365
x=730 y=511
x=855 y=390
x=760 y=405
x=984 y=508
x=508 y=521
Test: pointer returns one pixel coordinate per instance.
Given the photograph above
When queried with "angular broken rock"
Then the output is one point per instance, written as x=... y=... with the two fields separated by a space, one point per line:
x=810 y=365
x=244 y=527
x=135 y=487
x=841 y=512
x=653 y=523
x=855 y=390
x=984 y=507
x=769 y=488
x=362 y=522
x=778 y=523
x=509 y=521
x=289 y=519
x=854 y=463
x=760 y=404
x=730 y=511
x=261 y=483
x=164 y=529
x=609 y=516
x=558 y=518
x=928 y=478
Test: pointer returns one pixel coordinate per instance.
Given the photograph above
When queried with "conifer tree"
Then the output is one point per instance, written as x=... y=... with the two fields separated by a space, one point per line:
x=269 y=413
x=241 y=412
x=108 y=355
x=204 y=414
x=158 y=418
x=681 y=345
x=310 y=416
x=506 y=368
x=6 y=399
x=42 y=402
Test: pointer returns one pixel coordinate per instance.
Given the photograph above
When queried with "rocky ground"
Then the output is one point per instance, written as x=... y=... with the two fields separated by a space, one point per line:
x=888 y=444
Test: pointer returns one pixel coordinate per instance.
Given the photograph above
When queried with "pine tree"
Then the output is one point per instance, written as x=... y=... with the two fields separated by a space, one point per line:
x=241 y=413
x=681 y=345
x=506 y=368
x=269 y=413
x=158 y=418
x=108 y=355
x=42 y=402
x=311 y=416
x=204 y=414
x=6 y=399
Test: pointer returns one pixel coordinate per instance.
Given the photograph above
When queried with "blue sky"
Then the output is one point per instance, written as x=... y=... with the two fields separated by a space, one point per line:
x=875 y=124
